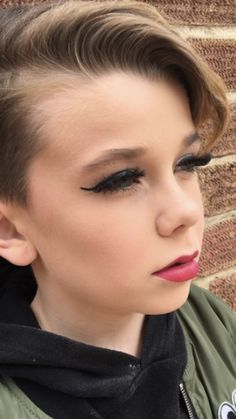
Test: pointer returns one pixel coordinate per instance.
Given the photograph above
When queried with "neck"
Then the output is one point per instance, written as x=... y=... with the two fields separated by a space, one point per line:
x=89 y=325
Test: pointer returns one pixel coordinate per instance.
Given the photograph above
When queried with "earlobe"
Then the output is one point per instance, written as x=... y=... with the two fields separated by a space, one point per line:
x=14 y=247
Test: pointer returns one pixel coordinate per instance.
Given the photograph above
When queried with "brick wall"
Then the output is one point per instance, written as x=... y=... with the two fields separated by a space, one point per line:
x=211 y=28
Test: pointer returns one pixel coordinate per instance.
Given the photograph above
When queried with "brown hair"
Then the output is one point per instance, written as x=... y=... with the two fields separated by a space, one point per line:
x=87 y=39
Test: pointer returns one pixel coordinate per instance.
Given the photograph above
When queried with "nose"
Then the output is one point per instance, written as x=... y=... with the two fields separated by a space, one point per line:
x=180 y=209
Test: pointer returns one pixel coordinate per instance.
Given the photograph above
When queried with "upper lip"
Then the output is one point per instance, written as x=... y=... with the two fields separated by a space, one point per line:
x=181 y=259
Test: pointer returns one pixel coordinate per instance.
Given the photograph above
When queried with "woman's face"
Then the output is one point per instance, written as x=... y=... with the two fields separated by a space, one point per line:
x=99 y=248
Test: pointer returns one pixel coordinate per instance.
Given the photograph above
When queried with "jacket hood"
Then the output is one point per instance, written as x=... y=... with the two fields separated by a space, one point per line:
x=75 y=368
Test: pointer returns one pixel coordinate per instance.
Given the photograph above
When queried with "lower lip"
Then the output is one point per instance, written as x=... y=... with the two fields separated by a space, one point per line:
x=179 y=273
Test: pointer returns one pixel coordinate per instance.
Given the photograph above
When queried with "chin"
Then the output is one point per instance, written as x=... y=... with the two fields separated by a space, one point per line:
x=171 y=300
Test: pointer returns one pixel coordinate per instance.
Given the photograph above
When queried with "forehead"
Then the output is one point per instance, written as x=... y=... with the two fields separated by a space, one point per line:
x=112 y=108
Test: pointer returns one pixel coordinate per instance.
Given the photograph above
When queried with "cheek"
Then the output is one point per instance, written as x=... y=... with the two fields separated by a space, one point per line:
x=113 y=237
x=87 y=233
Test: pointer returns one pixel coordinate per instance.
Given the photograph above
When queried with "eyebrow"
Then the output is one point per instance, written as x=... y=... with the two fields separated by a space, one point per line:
x=108 y=157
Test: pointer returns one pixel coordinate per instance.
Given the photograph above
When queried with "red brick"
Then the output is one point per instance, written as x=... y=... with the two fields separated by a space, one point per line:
x=221 y=56
x=219 y=248
x=218 y=185
x=200 y=12
x=225 y=289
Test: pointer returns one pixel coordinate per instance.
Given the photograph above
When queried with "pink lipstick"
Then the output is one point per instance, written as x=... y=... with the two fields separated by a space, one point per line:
x=182 y=269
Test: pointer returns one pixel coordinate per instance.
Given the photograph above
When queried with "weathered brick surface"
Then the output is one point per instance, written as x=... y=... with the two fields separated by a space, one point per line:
x=200 y=12
x=219 y=250
x=221 y=56
x=225 y=288
x=218 y=185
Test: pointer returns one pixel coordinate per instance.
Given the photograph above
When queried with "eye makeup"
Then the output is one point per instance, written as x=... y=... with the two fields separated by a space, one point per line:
x=125 y=180
x=118 y=181
x=191 y=161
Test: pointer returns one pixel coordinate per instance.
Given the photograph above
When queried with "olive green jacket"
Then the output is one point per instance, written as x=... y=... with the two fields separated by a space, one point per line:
x=210 y=333
x=209 y=328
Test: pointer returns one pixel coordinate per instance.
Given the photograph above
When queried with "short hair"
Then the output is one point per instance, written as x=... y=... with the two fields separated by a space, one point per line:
x=87 y=39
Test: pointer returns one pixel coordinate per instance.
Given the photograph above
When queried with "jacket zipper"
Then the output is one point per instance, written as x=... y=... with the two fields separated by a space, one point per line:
x=187 y=401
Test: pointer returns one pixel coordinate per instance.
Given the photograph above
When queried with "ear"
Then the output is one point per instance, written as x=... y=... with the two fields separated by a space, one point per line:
x=14 y=247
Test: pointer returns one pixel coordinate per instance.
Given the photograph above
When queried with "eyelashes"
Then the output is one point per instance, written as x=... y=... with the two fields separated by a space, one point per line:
x=191 y=161
x=125 y=180
x=117 y=181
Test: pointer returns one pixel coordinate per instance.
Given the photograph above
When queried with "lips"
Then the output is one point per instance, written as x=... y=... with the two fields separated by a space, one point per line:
x=181 y=269
x=180 y=260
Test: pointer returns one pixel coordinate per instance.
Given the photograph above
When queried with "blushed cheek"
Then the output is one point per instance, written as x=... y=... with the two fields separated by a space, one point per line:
x=110 y=245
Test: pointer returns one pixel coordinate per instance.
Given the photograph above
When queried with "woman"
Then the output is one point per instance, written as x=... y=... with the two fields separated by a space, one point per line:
x=102 y=218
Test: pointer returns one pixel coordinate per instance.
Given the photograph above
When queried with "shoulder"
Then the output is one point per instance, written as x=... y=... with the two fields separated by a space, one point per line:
x=14 y=404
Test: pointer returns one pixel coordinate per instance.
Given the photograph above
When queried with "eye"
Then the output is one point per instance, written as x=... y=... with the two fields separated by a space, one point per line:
x=123 y=180
x=189 y=162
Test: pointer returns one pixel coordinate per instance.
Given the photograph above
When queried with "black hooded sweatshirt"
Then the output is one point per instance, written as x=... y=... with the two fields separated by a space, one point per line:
x=68 y=379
